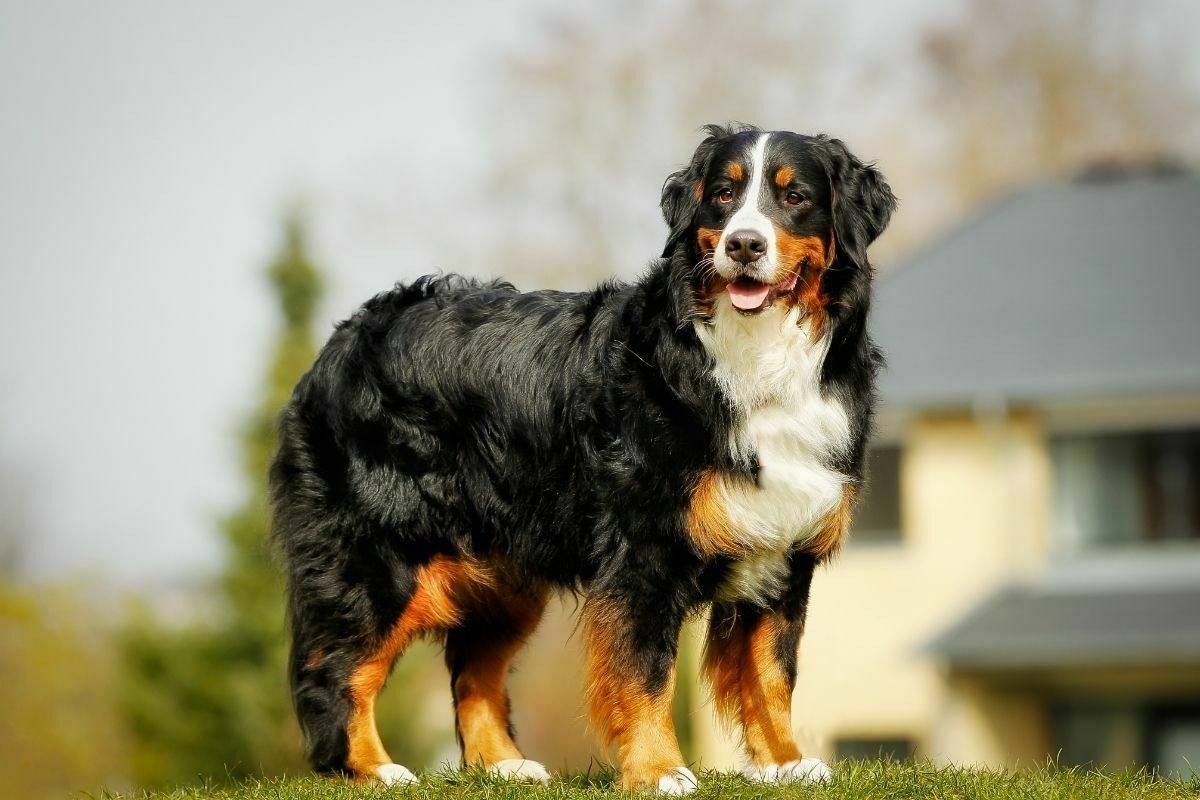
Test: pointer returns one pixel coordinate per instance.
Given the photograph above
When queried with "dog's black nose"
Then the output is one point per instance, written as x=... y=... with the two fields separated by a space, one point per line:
x=745 y=246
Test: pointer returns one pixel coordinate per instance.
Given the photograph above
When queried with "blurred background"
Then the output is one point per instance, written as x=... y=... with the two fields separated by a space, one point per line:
x=192 y=195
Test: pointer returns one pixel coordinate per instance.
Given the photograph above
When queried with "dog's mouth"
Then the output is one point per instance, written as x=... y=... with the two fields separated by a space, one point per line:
x=750 y=296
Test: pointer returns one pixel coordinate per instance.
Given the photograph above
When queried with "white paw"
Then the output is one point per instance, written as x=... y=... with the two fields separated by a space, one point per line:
x=678 y=781
x=806 y=770
x=395 y=775
x=520 y=769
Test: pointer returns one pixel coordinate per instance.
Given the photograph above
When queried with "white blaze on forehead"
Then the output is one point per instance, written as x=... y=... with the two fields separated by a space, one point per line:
x=749 y=215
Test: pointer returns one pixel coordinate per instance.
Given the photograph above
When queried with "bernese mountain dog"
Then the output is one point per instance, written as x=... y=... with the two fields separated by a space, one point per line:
x=689 y=442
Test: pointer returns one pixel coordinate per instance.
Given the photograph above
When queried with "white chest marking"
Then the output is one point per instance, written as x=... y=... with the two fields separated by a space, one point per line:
x=769 y=367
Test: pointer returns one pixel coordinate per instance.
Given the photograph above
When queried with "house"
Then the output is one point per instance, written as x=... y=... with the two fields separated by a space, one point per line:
x=1024 y=577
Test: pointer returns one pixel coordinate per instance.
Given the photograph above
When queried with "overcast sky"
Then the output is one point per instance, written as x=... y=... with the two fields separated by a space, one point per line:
x=147 y=149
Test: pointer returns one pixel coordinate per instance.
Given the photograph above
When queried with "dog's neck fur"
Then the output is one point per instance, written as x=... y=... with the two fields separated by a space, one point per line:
x=786 y=429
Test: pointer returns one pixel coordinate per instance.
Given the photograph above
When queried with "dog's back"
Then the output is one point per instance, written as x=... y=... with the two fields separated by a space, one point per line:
x=440 y=413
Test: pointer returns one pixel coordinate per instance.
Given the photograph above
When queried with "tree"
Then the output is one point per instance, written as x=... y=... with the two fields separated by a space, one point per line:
x=1029 y=90
x=210 y=698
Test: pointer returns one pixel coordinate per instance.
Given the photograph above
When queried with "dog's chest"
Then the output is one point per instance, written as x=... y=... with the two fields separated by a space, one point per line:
x=769 y=366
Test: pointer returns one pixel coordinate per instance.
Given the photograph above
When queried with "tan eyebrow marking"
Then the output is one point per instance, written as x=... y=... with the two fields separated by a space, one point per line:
x=784 y=176
x=735 y=171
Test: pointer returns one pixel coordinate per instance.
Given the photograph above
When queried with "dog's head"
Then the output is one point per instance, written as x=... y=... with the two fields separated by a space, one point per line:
x=764 y=217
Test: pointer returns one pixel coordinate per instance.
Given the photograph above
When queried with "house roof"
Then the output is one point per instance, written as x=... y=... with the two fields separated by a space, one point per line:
x=1062 y=290
x=1128 y=612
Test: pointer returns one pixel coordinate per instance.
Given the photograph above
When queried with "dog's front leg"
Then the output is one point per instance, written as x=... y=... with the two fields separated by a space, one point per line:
x=631 y=648
x=750 y=663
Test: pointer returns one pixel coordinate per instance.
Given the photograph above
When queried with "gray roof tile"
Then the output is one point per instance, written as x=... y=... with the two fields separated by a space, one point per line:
x=1024 y=628
x=1061 y=291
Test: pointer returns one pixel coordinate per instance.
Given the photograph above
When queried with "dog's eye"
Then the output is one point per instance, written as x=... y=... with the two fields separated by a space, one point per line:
x=725 y=196
x=794 y=198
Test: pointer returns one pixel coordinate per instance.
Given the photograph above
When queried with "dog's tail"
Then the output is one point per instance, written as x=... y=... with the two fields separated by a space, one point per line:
x=319 y=682
x=322 y=641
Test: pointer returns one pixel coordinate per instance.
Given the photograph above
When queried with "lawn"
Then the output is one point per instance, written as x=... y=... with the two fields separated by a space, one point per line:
x=852 y=779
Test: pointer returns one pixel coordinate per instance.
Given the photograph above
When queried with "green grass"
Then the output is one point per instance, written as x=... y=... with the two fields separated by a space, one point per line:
x=852 y=779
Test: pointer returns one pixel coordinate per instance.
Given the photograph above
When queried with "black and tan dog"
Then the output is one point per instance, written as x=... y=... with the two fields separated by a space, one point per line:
x=694 y=440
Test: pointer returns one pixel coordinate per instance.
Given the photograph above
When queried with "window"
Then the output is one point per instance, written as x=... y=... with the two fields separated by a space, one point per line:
x=1127 y=488
x=1096 y=734
x=1173 y=740
x=1115 y=735
x=877 y=519
x=869 y=749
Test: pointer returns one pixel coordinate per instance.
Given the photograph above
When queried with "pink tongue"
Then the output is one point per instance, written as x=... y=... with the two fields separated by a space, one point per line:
x=748 y=295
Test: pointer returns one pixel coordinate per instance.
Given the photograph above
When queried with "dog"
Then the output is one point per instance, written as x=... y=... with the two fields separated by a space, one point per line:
x=694 y=440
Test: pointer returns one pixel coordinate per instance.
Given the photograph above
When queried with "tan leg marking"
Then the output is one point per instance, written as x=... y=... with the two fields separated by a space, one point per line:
x=750 y=686
x=484 y=651
x=442 y=586
x=619 y=705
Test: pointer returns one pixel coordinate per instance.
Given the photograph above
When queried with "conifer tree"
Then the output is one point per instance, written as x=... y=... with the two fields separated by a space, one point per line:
x=210 y=699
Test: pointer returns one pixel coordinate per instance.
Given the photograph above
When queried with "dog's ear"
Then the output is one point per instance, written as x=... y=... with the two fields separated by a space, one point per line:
x=862 y=201
x=683 y=190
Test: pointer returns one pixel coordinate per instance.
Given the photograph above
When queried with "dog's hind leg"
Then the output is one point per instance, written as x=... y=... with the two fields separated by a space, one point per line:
x=478 y=654
x=337 y=683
